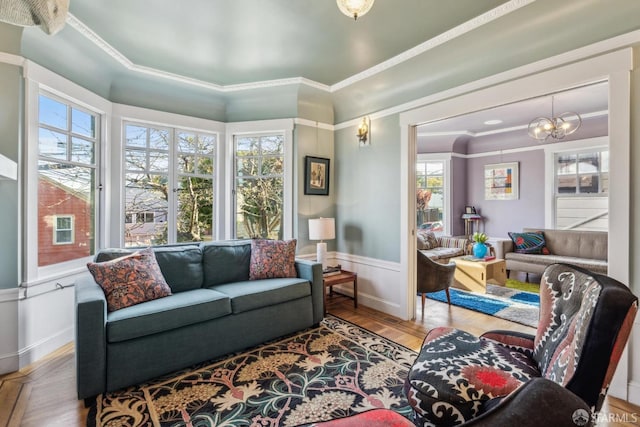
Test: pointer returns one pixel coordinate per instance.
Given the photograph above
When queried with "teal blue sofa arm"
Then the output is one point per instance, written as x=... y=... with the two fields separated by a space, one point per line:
x=91 y=340
x=312 y=271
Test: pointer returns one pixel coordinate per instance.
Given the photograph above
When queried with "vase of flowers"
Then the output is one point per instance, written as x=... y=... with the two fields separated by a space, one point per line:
x=479 y=247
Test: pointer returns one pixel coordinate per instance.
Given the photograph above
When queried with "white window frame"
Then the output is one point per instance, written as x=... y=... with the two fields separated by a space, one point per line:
x=550 y=186
x=445 y=158
x=40 y=80
x=56 y=230
x=281 y=126
x=126 y=114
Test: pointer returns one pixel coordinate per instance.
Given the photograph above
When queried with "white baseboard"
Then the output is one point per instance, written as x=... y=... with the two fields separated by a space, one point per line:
x=38 y=350
x=634 y=392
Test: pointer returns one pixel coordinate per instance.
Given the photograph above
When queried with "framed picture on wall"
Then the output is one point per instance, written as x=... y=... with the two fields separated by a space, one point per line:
x=501 y=181
x=316 y=176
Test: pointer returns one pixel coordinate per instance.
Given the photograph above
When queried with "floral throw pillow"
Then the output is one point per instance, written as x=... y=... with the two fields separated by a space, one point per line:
x=272 y=258
x=427 y=240
x=130 y=280
x=529 y=243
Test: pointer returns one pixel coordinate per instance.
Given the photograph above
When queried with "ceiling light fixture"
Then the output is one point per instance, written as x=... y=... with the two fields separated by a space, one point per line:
x=493 y=122
x=354 y=8
x=556 y=127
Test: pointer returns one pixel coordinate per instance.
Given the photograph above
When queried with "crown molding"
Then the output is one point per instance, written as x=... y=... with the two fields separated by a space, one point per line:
x=449 y=35
x=445 y=37
x=11 y=59
x=313 y=124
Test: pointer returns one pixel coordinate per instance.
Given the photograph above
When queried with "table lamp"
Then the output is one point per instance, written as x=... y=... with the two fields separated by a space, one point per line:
x=322 y=229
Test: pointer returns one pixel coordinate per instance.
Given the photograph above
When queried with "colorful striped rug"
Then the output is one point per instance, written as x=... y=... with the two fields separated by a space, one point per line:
x=509 y=304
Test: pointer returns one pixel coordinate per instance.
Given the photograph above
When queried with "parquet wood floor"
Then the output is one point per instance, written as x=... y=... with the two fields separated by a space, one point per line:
x=43 y=394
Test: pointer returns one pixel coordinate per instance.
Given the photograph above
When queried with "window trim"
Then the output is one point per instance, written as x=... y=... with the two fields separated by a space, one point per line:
x=283 y=127
x=40 y=80
x=550 y=152
x=123 y=114
x=445 y=158
x=56 y=230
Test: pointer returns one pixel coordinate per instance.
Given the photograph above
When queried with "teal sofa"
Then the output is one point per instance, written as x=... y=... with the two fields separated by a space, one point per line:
x=214 y=310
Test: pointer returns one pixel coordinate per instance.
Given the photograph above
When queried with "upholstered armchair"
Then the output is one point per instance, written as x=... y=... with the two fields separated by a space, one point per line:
x=585 y=321
x=433 y=276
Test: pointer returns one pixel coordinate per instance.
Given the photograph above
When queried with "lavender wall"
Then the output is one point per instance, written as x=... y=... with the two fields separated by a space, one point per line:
x=502 y=216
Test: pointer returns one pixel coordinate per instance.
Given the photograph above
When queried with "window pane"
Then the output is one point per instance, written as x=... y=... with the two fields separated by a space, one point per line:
x=135 y=160
x=187 y=142
x=208 y=144
x=259 y=208
x=83 y=123
x=158 y=161
x=82 y=151
x=272 y=166
x=272 y=144
x=63 y=236
x=205 y=166
x=246 y=146
x=589 y=183
x=136 y=136
x=247 y=167
x=146 y=194
x=52 y=113
x=158 y=139
x=566 y=164
x=195 y=209
x=65 y=191
x=186 y=164
x=588 y=163
x=52 y=144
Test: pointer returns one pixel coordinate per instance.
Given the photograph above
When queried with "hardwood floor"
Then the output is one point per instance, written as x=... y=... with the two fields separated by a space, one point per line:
x=43 y=394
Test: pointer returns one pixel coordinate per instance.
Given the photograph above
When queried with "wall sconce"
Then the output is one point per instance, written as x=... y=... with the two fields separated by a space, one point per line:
x=363 y=132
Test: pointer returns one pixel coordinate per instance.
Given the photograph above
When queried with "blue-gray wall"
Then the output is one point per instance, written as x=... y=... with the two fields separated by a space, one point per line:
x=11 y=107
x=368 y=188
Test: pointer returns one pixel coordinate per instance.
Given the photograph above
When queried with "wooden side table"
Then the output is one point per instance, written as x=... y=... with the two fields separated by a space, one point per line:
x=338 y=279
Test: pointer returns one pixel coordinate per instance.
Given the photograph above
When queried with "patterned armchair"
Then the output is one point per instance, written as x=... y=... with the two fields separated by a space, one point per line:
x=585 y=321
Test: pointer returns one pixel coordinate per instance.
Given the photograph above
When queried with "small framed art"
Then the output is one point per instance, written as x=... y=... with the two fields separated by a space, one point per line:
x=501 y=181
x=316 y=176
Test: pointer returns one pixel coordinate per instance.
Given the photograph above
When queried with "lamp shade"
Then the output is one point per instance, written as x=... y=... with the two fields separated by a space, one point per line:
x=322 y=229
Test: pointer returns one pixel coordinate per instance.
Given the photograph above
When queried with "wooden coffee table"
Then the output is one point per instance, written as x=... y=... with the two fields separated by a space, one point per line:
x=474 y=275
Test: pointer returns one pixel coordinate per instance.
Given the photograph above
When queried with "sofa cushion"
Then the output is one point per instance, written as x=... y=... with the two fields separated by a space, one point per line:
x=181 y=265
x=226 y=262
x=442 y=253
x=253 y=294
x=594 y=265
x=271 y=259
x=130 y=280
x=529 y=243
x=175 y=311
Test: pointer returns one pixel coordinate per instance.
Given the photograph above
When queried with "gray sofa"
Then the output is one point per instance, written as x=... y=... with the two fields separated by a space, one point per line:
x=586 y=249
x=214 y=310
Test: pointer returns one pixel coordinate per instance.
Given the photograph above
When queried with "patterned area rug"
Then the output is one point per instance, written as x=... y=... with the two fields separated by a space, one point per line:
x=509 y=304
x=332 y=371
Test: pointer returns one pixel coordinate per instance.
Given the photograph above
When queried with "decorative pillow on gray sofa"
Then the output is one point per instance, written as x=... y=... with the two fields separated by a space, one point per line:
x=427 y=240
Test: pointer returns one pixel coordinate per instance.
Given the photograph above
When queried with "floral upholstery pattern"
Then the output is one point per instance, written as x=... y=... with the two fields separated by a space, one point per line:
x=130 y=280
x=456 y=372
x=272 y=259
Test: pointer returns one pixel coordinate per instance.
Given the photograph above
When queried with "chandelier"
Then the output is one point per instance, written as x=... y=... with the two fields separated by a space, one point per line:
x=556 y=127
x=354 y=8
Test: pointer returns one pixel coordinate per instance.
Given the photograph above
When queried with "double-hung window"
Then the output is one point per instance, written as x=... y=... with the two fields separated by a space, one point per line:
x=68 y=147
x=169 y=185
x=431 y=197
x=582 y=189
